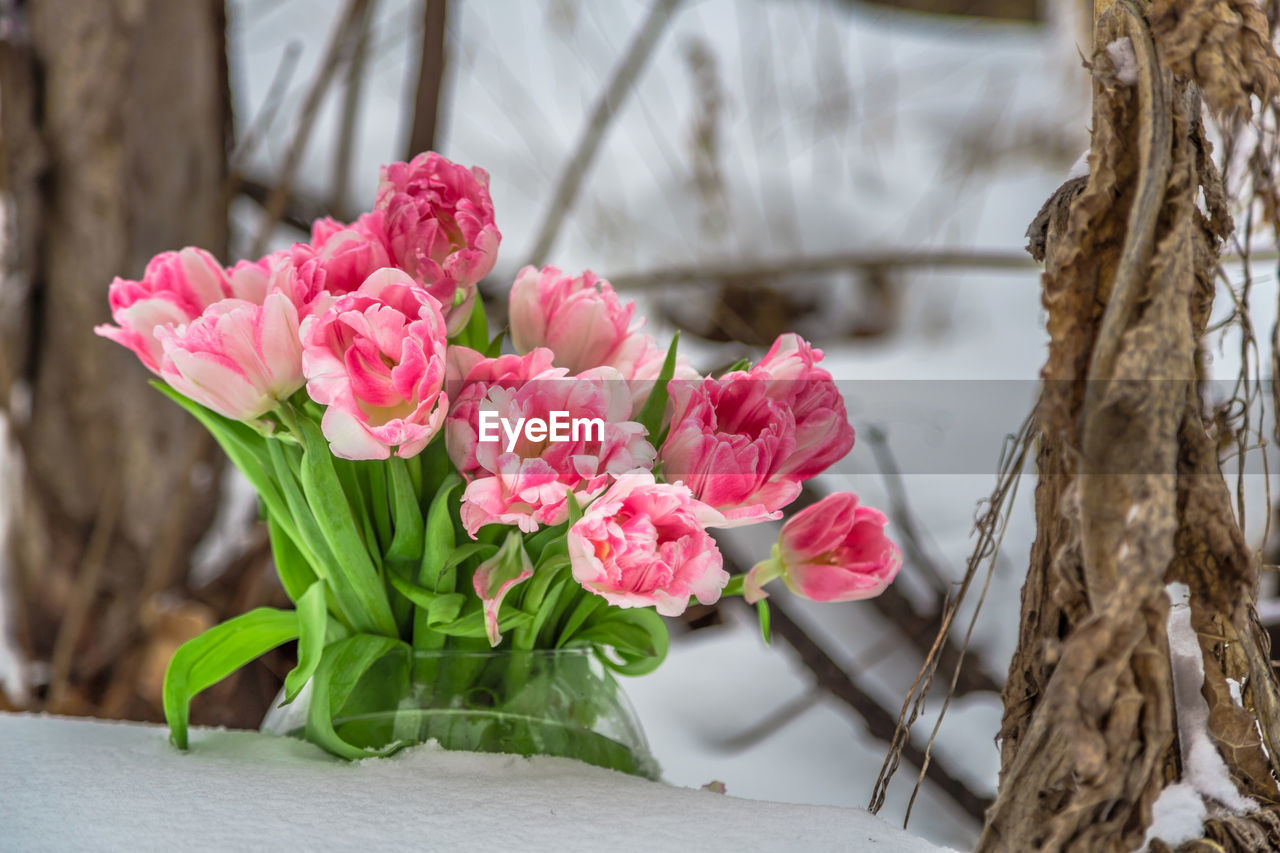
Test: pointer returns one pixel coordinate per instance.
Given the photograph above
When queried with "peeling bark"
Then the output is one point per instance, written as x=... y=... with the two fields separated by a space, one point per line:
x=1130 y=494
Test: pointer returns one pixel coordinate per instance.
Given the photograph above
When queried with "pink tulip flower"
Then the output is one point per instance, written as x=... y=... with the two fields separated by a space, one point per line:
x=791 y=376
x=744 y=442
x=440 y=228
x=340 y=257
x=175 y=289
x=834 y=550
x=238 y=358
x=580 y=319
x=376 y=359
x=644 y=544
x=465 y=367
x=518 y=478
x=584 y=323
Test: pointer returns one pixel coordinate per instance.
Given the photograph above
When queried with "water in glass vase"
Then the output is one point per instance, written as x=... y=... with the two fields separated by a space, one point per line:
x=544 y=702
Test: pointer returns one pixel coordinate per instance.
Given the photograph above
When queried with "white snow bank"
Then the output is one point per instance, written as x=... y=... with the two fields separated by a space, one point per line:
x=84 y=784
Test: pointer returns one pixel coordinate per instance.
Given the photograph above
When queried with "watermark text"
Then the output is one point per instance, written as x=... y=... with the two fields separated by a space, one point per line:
x=559 y=427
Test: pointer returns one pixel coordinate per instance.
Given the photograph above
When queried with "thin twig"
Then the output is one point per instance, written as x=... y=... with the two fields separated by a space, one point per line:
x=341 y=40
x=832 y=678
x=607 y=105
x=900 y=511
x=990 y=528
x=267 y=112
x=964 y=648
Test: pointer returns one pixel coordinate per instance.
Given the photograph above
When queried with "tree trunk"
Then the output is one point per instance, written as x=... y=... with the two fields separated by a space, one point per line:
x=1130 y=495
x=115 y=125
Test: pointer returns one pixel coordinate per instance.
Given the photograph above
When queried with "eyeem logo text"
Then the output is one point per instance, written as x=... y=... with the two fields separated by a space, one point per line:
x=560 y=427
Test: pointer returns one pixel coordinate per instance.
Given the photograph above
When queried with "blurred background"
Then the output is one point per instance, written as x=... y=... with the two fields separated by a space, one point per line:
x=862 y=173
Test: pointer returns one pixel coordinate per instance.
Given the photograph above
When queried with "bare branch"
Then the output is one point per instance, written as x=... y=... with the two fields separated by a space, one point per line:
x=920 y=629
x=341 y=41
x=342 y=158
x=881 y=724
x=426 y=110
x=761 y=273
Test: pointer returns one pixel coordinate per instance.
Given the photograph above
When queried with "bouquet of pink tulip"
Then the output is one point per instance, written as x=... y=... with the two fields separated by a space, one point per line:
x=426 y=492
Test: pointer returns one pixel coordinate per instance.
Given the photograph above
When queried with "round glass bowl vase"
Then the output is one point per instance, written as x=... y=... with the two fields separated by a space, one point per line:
x=560 y=702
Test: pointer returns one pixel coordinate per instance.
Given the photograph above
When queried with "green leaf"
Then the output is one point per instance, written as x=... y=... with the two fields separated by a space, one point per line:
x=245 y=447
x=554 y=556
x=313 y=620
x=350 y=480
x=589 y=604
x=762 y=611
x=547 y=606
x=476 y=333
x=740 y=364
x=575 y=509
x=471 y=625
x=373 y=476
x=445 y=608
x=733 y=587
x=205 y=660
x=435 y=467
x=570 y=595
x=439 y=535
x=340 y=669
x=355 y=581
x=308 y=538
x=406 y=516
x=537 y=542
x=638 y=637
x=656 y=406
x=434 y=572
x=296 y=574
x=428 y=599
x=495 y=346
x=466 y=551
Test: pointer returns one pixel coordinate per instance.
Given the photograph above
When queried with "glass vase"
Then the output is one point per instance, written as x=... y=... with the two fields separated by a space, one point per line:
x=560 y=702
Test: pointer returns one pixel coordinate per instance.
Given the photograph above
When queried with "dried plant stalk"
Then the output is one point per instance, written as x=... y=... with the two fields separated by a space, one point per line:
x=1131 y=496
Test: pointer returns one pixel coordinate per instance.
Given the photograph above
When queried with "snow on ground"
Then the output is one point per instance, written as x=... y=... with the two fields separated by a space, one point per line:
x=85 y=785
x=718 y=685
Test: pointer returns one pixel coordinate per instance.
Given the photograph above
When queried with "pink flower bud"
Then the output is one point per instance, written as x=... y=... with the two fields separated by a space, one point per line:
x=584 y=323
x=496 y=576
x=834 y=550
x=340 y=257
